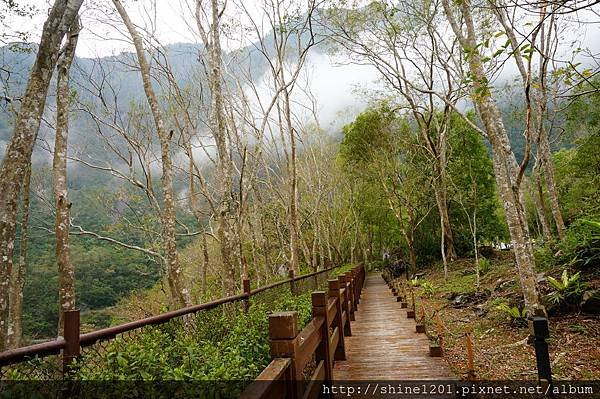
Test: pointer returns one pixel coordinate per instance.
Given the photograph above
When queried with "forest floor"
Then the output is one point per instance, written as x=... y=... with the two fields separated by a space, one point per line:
x=501 y=351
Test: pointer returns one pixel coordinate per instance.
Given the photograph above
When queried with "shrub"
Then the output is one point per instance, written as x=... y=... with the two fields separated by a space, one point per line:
x=518 y=316
x=568 y=290
x=377 y=265
x=581 y=245
x=483 y=265
x=220 y=346
x=428 y=289
x=544 y=256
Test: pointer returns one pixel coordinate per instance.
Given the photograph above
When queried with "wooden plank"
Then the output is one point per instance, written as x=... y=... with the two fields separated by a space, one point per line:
x=307 y=342
x=333 y=342
x=313 y=389
x=268 y=384
x=384 y=344
x=275 y=370
x=331 y=308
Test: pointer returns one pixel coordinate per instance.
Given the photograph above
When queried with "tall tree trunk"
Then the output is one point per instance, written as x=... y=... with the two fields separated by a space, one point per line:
x=62 y=222
x=447 y=238
x=294 y=224
x=412 y=255
x=540 y=98
x=265 y=249
x=15 y=327
x=550 y=182
x=537 y=194
x=180 y=295
x=226 y=209
x=446 y=226
x=18 y=152
x=441 y=193
x=226 y=212
x=504 y=161
x=205 y=263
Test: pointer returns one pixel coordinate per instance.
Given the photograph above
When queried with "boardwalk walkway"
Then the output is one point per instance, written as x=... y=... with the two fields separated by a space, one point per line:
x=384 y=344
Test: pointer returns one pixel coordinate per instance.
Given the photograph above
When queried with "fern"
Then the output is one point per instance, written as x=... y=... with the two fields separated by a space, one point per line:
x=567 y=288
x=518 y=317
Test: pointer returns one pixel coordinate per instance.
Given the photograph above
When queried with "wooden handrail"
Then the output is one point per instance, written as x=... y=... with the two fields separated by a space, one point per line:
x=55 y=347
x=271 y=382
x=110 y=332
x=43 y=349
x=322 y=337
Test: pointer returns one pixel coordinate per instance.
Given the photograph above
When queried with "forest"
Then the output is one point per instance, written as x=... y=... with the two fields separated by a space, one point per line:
x=160 y=155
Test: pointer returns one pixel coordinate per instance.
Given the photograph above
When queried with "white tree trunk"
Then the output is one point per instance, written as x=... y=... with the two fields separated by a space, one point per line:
x=180 y=295
x=550 y=182
x=15 y=327
x=505 y=164
x=66 y=273
x=18 y=152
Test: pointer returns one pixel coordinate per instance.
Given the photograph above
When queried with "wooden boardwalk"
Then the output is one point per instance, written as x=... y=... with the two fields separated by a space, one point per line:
x=384 y=344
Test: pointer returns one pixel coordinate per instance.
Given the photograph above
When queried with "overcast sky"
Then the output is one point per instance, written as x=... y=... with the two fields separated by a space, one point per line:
x=172 y=22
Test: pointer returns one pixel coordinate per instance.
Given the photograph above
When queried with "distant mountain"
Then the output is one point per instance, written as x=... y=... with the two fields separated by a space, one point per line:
x=92 y=76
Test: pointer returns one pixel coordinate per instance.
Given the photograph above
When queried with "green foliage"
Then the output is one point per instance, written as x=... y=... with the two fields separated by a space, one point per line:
x=367 y=155
x=567 y=290
x=483 y=265
x=518 y=316
x=371 y=133
x=580 y=248
x=578 y=184
x=393 y=183
x=104 y=273
x=544 y=257
x=461 y=284
x=473 y=192
x=578 y=180
x=578 y=329
x=429 y=289
x=224 y=344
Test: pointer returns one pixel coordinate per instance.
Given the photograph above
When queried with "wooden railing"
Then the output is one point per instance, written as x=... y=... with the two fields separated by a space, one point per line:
x=70 y=346
x=292 y=372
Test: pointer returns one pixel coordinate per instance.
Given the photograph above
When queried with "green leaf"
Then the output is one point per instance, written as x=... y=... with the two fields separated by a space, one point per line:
x=555 y=283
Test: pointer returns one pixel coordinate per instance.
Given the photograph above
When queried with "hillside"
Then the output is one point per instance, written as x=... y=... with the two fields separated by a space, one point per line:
x=497 y=335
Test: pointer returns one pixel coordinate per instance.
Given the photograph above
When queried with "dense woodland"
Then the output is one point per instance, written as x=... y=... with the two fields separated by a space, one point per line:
x=162 y=176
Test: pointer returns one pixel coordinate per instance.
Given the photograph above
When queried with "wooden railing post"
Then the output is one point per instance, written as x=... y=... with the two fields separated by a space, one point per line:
x=71 y=332
x=345 y=307
x=350 y=290
x=247 y=291
x=323 y=352
x=283 y=329
x=291 y=275
x=357 y=285
x=362 y=277
x=334 y=292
